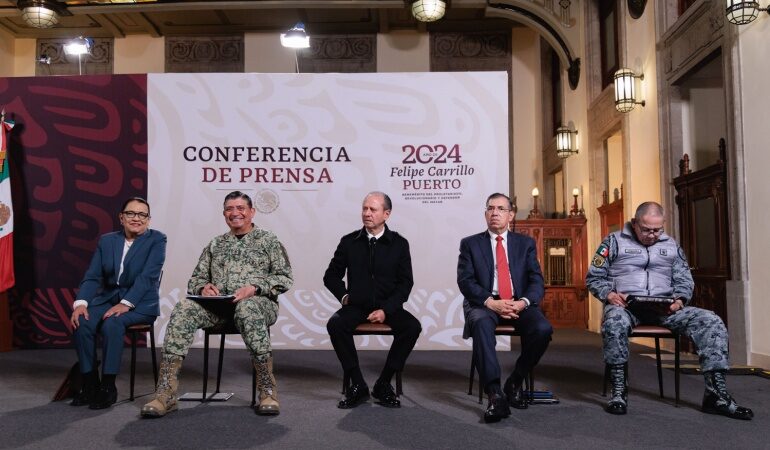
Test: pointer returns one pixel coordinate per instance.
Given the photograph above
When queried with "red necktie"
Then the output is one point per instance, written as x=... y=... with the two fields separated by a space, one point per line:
x=503 y=274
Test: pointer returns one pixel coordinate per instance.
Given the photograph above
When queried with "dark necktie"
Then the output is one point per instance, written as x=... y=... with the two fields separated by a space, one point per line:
x=372 y=244
x=504 y=289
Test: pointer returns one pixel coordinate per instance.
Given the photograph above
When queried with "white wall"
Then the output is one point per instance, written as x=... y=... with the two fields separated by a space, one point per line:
x=263 y=53
x=139 y=54
x=403 y=51
x=642 y=156
x=24 y=57
x=527 y=117
x=754 y=98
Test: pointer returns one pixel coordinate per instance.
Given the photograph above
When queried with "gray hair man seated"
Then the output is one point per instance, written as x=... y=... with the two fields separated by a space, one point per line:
x=642 y=259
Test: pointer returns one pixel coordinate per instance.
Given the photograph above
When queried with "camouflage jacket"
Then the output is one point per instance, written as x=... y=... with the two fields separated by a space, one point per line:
x=624 y=265
x=229 y=263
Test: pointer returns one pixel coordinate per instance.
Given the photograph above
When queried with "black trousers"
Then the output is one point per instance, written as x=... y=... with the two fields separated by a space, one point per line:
x=406 y=330
x=535 y=331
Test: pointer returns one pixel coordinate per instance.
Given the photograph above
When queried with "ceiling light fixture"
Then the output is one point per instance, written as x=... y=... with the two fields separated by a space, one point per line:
x=428 y=10
x=40 y=13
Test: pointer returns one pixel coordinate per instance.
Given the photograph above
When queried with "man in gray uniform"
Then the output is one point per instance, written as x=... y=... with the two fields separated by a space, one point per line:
x=643 y=260
x=250 y=264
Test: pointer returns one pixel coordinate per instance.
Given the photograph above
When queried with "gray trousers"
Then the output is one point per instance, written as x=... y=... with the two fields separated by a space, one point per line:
x=705 y=328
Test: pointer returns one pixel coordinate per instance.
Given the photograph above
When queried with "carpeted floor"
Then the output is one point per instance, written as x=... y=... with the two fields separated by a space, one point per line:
x=436 y=410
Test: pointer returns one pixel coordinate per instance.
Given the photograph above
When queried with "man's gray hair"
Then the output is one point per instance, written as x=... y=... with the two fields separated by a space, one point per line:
x=649 y=209
x=387 y=204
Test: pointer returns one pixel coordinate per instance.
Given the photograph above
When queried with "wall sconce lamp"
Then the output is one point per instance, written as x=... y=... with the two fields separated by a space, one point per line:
x=535 y=213
x=296 y=37
x=428 y=10
x=566 y=146
x=741 y=12
x=41 y=13
x=625 y=90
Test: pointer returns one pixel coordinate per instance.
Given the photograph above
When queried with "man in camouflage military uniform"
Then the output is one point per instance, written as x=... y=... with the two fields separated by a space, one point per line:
x=250 y=264
x=643 y=260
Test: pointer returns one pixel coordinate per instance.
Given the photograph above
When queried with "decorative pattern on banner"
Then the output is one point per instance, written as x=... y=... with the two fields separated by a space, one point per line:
x=79 y=150
x=307 y=148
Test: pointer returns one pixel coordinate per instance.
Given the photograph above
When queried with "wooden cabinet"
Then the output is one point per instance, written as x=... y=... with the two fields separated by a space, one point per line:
x=563 y=256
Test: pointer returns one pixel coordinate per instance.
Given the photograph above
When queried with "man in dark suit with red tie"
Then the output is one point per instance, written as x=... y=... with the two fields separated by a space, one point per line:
x=500 y=278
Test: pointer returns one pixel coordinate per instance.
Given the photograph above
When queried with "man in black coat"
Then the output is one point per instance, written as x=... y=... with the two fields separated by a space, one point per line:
x=379 y=279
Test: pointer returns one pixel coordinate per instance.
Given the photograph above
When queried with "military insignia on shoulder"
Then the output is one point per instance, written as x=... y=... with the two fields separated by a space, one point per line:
x=598 y=260
x=603 y=251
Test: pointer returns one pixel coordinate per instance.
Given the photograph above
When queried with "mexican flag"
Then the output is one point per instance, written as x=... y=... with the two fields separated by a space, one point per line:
x=7 y=279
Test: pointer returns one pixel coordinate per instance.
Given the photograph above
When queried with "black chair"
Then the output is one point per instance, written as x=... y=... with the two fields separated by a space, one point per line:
x=133 y=333
x=500 y=330
x=223 y=330
x=658 y=333
x=375 y=329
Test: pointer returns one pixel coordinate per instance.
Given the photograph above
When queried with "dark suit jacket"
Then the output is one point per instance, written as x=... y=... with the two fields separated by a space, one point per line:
x=141 y=272
x=388 y=287
x=476 y=265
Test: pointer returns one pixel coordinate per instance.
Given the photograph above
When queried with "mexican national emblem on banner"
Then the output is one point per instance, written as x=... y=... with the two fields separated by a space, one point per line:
x=7 y=279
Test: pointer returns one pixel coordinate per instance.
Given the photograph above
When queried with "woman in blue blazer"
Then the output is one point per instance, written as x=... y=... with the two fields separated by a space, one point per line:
x=119 y=289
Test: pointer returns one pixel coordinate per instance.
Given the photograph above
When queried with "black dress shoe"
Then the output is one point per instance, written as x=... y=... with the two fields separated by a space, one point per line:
x=104 y=398
x=516 y=395
x=354 y=396
x=83 y=397
x=497 y=408
x=385 y=395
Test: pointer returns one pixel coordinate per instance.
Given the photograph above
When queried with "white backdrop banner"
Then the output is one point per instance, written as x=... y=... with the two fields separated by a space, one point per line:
x=307 y=148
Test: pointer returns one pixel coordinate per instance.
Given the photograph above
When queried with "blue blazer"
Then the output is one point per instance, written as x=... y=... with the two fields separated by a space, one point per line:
x=476 y=266
x=140 y=279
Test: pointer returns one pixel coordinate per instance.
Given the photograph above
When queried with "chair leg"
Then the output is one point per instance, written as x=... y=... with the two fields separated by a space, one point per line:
x=205 y=365
x=398 y=383
x=221 y=359
x=153 y=354
x=133 y=365
x=531 y=383
x=471 y=376
x=676 y=370
x=660 y=366
x=606 y=379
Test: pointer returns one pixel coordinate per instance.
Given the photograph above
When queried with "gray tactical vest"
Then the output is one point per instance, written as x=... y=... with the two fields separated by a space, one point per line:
x=642 y=270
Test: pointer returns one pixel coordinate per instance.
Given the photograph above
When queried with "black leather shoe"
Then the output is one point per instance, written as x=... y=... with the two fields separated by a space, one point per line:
x=83 y=397
x=497 y=408
x=385 y=395
x=713 y=404
x=354 y=396
x=104 y=398
x=516 y=395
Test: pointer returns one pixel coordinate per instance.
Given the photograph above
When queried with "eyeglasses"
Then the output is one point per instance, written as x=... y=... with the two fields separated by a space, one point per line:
x=239 y=208
x=499 y=209
x=651 y=231
x=138 y=215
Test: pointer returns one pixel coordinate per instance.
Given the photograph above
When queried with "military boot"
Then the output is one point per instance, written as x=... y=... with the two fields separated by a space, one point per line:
x=165 y=393
x=268 y=395
x=619 y=400
x=716 y=399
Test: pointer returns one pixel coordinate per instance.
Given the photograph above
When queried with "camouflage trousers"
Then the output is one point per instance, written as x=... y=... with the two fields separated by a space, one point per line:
x=253 y=318
x=705 y=328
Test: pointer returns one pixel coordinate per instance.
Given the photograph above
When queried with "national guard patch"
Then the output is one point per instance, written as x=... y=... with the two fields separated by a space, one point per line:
x=663 y=252
x=598 y=260
x=603 y=251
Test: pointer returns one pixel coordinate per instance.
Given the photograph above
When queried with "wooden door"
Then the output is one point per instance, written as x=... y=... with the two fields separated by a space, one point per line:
x=703 y=226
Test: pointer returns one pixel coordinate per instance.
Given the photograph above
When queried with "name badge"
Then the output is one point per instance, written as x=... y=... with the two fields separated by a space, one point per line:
x=633 y=251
